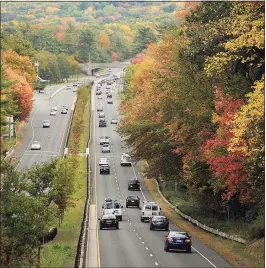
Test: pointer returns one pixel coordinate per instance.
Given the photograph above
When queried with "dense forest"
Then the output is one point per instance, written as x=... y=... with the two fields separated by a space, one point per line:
x=194 y=109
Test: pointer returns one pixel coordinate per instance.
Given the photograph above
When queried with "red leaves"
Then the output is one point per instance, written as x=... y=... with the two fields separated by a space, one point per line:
x=138 y=59
x=114 y=56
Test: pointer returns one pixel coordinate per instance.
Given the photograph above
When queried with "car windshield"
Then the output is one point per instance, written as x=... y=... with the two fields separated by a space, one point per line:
x=154 y=207
x=106 y=145
x=148 y=207
x=133 y=197
x=35 y=142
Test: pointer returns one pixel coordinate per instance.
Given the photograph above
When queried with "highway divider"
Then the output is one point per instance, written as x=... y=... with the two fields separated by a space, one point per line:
x=82 y=246
x=198 y=223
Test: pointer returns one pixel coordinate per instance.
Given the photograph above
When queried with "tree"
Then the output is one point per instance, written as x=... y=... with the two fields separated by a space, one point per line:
x=86 y=44
x=114 y=56
x=103 y=41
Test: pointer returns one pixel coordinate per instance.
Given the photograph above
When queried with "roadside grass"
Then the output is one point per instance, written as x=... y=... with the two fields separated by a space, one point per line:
x=61 y=251
x=239 y=255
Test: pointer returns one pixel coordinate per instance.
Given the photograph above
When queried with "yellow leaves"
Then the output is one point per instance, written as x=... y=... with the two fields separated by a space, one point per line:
x=248 y=124
x=90 y=9
x=51 y=10
x=104 y=41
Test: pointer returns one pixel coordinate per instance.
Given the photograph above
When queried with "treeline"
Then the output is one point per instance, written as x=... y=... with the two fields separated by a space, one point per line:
x=32 y=201
x=194 y=109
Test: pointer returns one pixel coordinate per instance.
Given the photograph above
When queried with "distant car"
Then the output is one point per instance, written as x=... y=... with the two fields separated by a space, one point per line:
x=75 y=89
x=109 y=95
x=102 y=123
x=105 y=169
x=101 y=115
x=108 y=86
x=103 y=161
x=108 y=199
x=75 y=84
x=178 y=240
x=110 y=101
x=53 y=112
x=79 y=83
x=36 y=145
x=159 y=222
x=149 y=210
x=54 y=108
x=65 y=107
x=104 y=140
x=100 y=109
x=109 y=221
x=109 y=82
x=46 y=123
x=98 y=76
x=109 y=70
x=106 y=148
x=68 y=87
x=64 y=111
x=100 y=97
x=41 y=90
x=134 y=185
x=114 y=121
x=125 y=160
x=132 y=201
x=98 y=92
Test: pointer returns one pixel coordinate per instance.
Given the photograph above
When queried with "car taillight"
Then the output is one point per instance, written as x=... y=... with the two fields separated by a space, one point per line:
x=170 y=239
x=187 y=240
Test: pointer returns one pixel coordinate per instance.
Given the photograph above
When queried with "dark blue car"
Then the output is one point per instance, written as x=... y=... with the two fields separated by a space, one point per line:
x=178 y=240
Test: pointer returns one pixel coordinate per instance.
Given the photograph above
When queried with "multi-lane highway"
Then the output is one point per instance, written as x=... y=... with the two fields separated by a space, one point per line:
x=51 y=139
x=133 y=244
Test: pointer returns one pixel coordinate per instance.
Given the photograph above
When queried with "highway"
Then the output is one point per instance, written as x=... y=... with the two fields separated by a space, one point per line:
x=133 y=244
x=51 y=139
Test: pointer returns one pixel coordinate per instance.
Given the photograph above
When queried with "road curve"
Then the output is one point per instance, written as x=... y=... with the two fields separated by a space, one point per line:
x=133 y=245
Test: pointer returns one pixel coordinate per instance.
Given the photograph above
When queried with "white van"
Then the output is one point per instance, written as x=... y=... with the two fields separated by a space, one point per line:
x=149 y=209
x=113 y=208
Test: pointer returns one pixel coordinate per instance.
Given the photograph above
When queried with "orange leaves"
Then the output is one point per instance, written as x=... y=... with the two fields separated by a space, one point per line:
x=20 y=69
x=59 y=36
x=114 y=56
x=51 y=10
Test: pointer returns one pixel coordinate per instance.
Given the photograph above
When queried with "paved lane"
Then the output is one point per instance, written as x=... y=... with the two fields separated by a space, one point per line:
x=134 y=245
x=52 y=138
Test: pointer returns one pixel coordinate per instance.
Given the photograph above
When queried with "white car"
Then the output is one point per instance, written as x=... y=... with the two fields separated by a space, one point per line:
x=101 y=115
x=106 y=148
x=97 y=76
x=100 y=97
x=35 y=145
x=46 y=123
x=79 y=83
x=65 y=107
x=103 y=161
x=126 y=160
x=99 y=109
x=113 y=208
x=64 y=111
x=53 y=112
x=104 y=140
x=68 y=87
x=54 y=108
x=110 y=101
x=98 y=87
x=75 y=85
x=114 y=121
x=108 y=87
x=149 y=210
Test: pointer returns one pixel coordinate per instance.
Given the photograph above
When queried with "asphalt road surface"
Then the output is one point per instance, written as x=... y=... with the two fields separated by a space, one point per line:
x=133 y=244
x=51 y=139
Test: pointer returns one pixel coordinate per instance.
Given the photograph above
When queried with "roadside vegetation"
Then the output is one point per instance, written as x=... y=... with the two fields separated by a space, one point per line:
x=79 y=132
x=198 y=117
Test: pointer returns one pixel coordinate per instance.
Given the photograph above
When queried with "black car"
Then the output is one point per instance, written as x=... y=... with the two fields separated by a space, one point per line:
x=105 y=169
x=159 y=222
x=178 y=240
x=134 y=185
x=109 y=221
x=109 y=95
x=102 y=123
x=132 y=200
x=98 y=92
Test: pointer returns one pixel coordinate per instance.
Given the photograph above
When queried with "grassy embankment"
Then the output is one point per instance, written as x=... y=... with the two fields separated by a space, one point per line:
x=61 y=251
x=251 y=255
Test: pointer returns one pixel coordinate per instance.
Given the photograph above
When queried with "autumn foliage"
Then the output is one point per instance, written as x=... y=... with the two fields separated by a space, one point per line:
x=21 y=71
x=191 y=112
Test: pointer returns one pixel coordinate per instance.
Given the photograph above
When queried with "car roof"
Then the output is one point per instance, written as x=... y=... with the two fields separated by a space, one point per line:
x=133 y=196
x=159 y=217
x=108 y=216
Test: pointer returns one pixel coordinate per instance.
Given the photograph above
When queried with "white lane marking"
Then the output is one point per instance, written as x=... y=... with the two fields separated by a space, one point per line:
x=151 y=255
x=130 y=223
x=205 y=258
x=156 y=263
x=147 y=248
x=139 y=237
x=137 y=234
x=32 y=136
x=143 y=242
x=134 y=230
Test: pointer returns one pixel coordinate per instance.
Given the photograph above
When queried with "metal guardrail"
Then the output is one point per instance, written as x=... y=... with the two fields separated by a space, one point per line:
x=83 y=237
x=198 y=223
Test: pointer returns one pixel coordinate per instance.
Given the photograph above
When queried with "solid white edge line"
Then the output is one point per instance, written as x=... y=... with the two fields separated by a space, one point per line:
x=205 y=258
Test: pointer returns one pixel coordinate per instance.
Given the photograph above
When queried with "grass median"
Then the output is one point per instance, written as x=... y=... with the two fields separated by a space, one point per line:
x=251 y=255
x=61 y=252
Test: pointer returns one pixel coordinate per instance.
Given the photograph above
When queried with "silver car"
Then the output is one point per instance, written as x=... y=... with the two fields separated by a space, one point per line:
x=106 y=148
x=46 y=123
x=114 y=121
x=53 y=112
x=36 y=145
x=64 y=111
x=101 y=115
